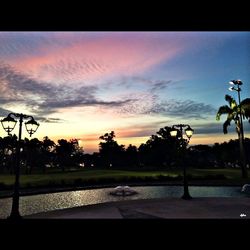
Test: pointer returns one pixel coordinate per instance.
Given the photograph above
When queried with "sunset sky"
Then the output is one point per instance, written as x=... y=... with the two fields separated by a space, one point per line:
x=84 y=84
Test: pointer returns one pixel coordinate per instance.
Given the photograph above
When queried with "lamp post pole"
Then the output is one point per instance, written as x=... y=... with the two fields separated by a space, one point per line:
x=242 y=149
x=15 y=198
x=15 y=202
x=189 y=132
x=241 y=134
x=186 y=195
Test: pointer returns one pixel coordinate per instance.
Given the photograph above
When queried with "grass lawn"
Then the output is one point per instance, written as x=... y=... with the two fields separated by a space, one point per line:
x=84 y=175
x=88 y=177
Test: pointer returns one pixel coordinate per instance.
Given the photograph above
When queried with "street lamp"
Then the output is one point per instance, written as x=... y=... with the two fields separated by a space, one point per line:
x=9 y=124
x=189 y=132
x=236 y=87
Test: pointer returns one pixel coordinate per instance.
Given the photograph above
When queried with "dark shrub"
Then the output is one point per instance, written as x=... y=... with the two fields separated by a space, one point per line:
x=78 y=181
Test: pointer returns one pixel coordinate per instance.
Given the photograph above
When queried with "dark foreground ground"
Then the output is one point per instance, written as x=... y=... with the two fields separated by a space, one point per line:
x=164 y=208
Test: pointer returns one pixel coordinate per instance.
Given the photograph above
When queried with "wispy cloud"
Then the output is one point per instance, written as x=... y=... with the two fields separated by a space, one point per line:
x=45 y=98
x=49 y=120
x=186 y=109
x=160 y=85
x=152 y=85
x=76 y=57
x=4 y=112
x=151 y=103
x=21 y=45
x=16 y=85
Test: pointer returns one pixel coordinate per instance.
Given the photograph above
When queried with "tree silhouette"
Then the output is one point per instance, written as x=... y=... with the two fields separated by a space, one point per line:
x=77 y=154
x=201 y=156
x=48 y=151
x=132 y=157
x=161 y=149
x=111 y=153
x=32 y=151
x=64 y=151
x=8 y=146
x=233 y=112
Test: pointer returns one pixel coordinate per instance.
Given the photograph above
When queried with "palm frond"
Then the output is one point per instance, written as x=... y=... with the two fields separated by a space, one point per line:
x=232 y=116
x=228 y=98
x=231 y=101
x=245 y=106
x=225 y=125
x=246 y=102
x=223 y=110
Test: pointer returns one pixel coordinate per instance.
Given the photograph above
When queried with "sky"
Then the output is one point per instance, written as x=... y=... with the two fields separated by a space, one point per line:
x=84 y=84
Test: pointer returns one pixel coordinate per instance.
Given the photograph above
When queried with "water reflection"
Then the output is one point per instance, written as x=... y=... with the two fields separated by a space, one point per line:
x=46 y=202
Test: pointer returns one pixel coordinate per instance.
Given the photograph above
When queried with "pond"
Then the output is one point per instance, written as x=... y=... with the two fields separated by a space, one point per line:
x=46 y=202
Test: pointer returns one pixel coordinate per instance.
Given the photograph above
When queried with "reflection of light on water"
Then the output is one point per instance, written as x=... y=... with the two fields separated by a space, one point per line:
x=46 y=202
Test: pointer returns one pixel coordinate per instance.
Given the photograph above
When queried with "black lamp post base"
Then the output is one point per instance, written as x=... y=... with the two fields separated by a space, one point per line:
x=186 y=196
x=13 y=217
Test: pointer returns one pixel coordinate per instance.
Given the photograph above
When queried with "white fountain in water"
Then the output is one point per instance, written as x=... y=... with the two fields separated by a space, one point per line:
x=246 y=188
x=123 y=191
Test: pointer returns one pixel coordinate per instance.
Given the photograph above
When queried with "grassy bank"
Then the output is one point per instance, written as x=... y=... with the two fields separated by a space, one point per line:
x=88 y=177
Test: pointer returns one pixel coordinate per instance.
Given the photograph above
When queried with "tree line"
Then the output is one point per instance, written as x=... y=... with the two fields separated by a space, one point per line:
x=160 y=151
x=39 y=155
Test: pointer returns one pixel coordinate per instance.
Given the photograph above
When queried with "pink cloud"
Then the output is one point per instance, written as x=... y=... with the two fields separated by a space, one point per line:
x=92 y=60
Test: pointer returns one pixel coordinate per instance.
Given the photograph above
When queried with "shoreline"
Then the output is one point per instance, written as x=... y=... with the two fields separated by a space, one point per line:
x=48 y=190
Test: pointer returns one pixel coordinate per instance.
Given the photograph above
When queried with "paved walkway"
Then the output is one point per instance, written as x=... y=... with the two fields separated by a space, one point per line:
x=166 y=208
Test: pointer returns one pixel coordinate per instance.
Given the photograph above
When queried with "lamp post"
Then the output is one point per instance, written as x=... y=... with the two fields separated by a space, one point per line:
x=236 y=87
x=189 y=132
x=9 y=124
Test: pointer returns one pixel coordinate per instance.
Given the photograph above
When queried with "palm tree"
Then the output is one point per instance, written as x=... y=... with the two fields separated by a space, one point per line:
x=233 y=112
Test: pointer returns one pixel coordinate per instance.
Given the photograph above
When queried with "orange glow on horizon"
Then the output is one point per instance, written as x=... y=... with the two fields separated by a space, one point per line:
x=90 y=143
